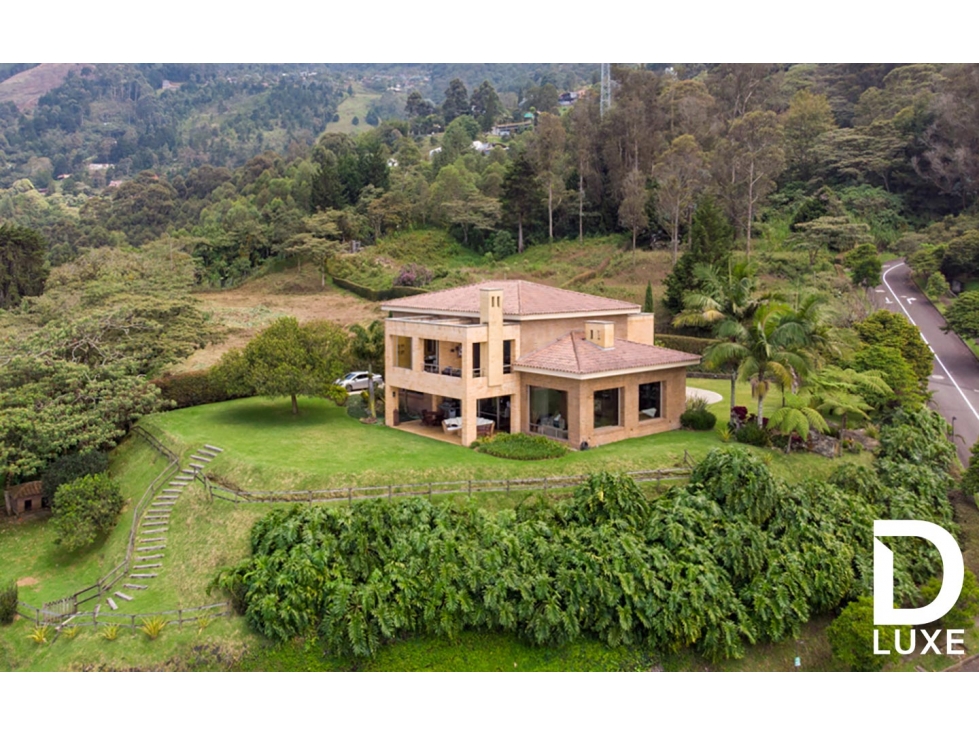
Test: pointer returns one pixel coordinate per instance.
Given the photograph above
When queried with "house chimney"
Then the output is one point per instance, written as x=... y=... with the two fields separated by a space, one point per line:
x=491 y=314
x=601 y=333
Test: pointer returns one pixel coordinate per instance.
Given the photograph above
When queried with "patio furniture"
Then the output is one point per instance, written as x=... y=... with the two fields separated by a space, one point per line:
x=432 y=417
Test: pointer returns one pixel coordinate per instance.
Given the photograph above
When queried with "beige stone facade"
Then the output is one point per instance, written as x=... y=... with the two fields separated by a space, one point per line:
x=519 y=356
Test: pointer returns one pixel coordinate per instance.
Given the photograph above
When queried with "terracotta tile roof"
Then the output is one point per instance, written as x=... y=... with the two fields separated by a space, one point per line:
x=576 y=355
x=520 y=298
x=28 y=489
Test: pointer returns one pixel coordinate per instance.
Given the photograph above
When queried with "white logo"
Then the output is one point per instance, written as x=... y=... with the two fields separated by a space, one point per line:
x=954 y=570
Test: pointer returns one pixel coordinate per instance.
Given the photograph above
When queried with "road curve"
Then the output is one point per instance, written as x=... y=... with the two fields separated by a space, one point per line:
x=955 y=370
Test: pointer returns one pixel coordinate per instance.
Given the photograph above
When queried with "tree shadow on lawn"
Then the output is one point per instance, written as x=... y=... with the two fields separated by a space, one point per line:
x=277 y=414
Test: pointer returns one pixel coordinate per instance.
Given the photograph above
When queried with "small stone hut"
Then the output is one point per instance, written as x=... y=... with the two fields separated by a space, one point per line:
x=21 y=498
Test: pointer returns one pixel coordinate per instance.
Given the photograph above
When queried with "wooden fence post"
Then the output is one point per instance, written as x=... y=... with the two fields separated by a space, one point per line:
x=470 y=487
x=132 y=621
x=180 y=618
x=659 y=475
x=350 y=495
x=429 y=490
x=310 y=496
x=389 y=492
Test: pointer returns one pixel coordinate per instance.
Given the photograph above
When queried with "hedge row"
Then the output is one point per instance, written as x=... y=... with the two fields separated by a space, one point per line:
x=692 y=344
x=196 y=388
x=398 y=291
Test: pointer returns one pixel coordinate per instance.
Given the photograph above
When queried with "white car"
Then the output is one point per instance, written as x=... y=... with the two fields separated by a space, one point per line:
x=357 y=381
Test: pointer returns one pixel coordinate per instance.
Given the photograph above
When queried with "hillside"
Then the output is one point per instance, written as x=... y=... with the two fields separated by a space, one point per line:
x=27 y=87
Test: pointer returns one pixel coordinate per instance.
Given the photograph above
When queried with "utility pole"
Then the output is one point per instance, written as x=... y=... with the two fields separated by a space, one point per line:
x=605 y=97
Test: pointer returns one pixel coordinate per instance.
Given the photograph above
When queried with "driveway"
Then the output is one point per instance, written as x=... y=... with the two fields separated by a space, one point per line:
x=955 y=371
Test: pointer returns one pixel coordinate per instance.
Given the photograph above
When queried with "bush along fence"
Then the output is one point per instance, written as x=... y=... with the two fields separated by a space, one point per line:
x=96 y=617
x=374 y=294
x=430 y=489
x=69 y=605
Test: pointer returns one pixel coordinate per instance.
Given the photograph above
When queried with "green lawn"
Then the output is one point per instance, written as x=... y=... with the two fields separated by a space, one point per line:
x=267 y=447
x=350 y=107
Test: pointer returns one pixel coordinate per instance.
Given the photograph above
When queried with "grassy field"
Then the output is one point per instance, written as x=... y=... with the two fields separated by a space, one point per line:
x=267 y=447
x=356 y=106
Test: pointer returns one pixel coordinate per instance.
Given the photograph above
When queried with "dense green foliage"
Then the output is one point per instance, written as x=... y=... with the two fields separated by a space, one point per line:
x=198 y=387
x=851 y=636
x=970 y=480
x=887 y=329
x=521 y=446
x=698 y=419
x=963 y=614
x=8 y=602
x=49 y=408
x=963 y=315
x=753 y=435
x=23 y=268
x=733 y=558
x=287 y=359
x=84 y=509
x=865 y=265
x=70 y=467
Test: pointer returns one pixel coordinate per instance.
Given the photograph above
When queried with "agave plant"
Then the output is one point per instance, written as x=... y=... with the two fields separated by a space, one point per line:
x=39 y=634
x=203 y=622
x=153 y=627
x=110 y=632
x=70 y=633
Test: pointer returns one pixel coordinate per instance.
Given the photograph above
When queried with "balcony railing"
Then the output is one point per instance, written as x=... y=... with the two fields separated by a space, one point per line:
x=433 y=368
x=477 y=371
x=507 y=369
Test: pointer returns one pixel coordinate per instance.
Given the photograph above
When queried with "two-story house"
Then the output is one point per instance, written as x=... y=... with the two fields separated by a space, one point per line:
x=518 y=356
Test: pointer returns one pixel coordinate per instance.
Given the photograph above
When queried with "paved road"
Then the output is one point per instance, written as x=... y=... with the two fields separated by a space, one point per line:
x=955 y=370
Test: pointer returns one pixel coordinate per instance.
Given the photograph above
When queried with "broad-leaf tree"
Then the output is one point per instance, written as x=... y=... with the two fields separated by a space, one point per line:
x=23 y=267
x=287 y=359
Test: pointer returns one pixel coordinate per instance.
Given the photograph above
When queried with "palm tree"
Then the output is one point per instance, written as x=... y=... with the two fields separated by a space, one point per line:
x=798 y=415
x=836 y=392
x=774 y=348
x=731 y=296
x=368 y=345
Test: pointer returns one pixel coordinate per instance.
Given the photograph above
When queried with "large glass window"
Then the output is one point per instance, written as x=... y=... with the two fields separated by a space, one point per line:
x=477 y=364
x=607 y=407
x=650 y=401
x=549 y=412
x=404 y=352
x=431 y=356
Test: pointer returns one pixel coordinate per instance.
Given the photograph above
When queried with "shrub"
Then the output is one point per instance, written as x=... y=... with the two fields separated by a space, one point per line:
x=725 y=433
x=110 y=632
x=936 y=286
x=521 y=446
x=691 y=344
x=196 y=388
x=851 y=636
x=8 y=603
x=153 y=627
x=67 y=469
x=752 y=435
x=84 y=509
x=39 y=634
x=502 y=245
x=413 y=276
x=698 y=420
x=963 y=614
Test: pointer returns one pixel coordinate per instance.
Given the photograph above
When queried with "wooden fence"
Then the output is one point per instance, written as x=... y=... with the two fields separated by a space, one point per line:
x=69 y=605
x=430 y=489
x=96 y=617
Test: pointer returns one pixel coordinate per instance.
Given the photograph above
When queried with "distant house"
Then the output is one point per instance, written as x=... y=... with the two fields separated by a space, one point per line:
x=518 y=356
x=504 y=129
x=480 y=147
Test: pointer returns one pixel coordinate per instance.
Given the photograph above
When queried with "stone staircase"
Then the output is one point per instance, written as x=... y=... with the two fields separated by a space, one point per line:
x=151 y=534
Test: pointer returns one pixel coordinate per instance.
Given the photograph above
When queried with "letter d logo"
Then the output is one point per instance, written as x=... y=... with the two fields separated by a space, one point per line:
x=954 y=570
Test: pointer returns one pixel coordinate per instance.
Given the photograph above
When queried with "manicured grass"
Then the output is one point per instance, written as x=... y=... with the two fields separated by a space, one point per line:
x=269 y=448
